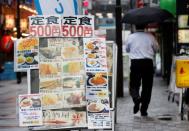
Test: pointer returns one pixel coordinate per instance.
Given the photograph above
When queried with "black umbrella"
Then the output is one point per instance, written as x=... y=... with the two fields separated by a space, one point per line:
x=146 y=15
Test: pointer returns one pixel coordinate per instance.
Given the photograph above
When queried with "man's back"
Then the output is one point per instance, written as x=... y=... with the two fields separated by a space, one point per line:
x=141 y=45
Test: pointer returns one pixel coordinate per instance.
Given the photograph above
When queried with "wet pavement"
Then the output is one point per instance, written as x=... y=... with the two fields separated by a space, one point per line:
x=163 y=114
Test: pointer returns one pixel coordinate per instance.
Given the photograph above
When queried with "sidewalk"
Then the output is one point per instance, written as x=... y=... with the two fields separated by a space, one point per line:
x=159 y=107
x=9 y=90
x=126 y=121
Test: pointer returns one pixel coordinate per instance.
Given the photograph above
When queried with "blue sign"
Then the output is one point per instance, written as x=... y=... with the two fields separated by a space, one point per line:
x=54 y=7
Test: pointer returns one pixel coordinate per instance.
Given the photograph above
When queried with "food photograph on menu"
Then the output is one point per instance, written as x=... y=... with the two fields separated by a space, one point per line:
x=50 y=85
x=74 y=82
x=97 y=79
x=98 y=106
x=50 y=53
x=52 y=100
x=73 y=68
x=72 y=52
x=75 y=98
x=49 y=69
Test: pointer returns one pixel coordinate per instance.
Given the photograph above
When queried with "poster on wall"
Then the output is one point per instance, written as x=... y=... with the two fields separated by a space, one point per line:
x=30 y=110
x=62 y=82
x=26 y=54
x=61 y=26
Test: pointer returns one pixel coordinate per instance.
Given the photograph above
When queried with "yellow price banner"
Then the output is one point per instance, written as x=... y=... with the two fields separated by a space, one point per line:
x=102 y=94
x=182 y=73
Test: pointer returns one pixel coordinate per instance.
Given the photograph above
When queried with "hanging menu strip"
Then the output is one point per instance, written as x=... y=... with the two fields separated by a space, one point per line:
x=97 y=94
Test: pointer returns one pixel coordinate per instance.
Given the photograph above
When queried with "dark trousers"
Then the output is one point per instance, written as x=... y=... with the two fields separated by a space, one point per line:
x=19 y=77
x=141 y=72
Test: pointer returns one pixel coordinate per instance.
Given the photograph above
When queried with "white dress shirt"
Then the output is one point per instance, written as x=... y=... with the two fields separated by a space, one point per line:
x=141 y=45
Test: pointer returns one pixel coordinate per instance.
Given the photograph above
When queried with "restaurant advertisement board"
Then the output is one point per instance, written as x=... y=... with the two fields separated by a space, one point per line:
x=73 y=72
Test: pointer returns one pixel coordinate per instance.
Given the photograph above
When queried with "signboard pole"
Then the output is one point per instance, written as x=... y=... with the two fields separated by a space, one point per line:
x=29 y=80
x=114 y=92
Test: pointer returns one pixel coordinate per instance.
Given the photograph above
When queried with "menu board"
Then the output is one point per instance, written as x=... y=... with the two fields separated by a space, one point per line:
x=62 y=82
x=98 y=104
x=30 y=110
x=26 y=54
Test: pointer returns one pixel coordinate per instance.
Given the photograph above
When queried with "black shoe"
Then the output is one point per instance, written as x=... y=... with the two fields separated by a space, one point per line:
x=136 y=108
x=19 y=81
x=137 y=105
x=144 y=113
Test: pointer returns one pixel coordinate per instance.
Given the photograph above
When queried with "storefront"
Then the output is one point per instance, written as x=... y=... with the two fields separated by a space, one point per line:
x=8 y=27
x=8 y=11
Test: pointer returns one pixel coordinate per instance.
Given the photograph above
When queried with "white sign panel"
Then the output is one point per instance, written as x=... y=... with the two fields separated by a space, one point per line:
x=26 y=54
x=30 y=110
x=60 y=7
x=61 y=26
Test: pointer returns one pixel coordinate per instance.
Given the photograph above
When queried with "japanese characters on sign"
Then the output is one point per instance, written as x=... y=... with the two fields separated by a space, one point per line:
x=30 y=110
x=182 y=73
x=61 y=7
x=61 y=26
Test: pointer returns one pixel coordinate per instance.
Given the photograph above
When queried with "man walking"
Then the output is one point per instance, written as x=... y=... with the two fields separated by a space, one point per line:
x=141 y=47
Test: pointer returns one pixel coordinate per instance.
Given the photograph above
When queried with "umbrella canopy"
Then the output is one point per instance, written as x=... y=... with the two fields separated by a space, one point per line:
x=146 y=15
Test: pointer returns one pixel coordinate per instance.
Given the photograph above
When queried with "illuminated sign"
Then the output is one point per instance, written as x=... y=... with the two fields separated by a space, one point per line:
x=183 y=36
x=9 y=21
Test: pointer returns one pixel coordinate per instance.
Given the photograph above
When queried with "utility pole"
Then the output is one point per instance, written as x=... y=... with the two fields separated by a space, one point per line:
x=18 y=19
x=18 y=74
x=118 y=11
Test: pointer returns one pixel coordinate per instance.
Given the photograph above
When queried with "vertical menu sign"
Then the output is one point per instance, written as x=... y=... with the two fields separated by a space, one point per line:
x=98 y=104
